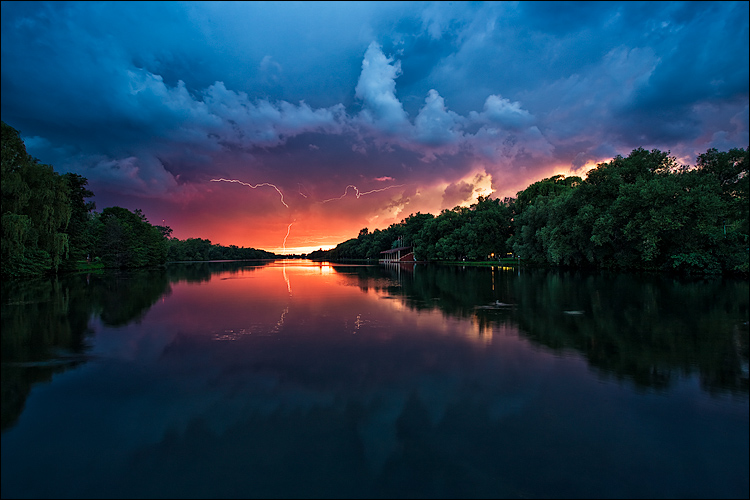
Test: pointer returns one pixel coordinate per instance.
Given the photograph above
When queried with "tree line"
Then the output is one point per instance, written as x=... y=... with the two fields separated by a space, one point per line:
x=640 y=212
x=50 y=226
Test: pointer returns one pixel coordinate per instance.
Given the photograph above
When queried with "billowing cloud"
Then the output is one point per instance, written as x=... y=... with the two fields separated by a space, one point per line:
x=437 y=127
x=376 y=88
x=503 y=113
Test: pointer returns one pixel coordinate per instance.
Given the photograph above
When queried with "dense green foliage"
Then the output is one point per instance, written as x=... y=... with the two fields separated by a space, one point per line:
x=82 y=225
x=48 y=226
x=200 y=249
x=643 y=212
x=126 y=239
x=477 y=232
x=35 y=211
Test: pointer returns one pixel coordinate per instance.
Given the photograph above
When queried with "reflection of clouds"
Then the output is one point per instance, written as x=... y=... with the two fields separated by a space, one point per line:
x=393 y=357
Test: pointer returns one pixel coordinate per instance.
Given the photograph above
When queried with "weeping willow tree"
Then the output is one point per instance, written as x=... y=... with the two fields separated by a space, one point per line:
x=35 y=211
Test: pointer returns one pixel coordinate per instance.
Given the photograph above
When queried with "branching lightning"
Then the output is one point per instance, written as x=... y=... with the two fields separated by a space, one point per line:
x=254 y=186
x=358 y=193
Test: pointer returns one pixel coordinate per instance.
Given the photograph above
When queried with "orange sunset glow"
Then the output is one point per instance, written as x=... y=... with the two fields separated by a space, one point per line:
x=300 y=223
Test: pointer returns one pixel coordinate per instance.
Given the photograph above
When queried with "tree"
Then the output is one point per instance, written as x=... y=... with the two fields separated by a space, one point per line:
x=35 y=211
x=81 y=228
x=126 y=239
x=533 y=236
x=641 y=212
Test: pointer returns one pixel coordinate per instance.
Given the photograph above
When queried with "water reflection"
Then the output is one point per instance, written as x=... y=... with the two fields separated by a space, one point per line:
x=46 y=324
x=646 y=329
x=308 y=379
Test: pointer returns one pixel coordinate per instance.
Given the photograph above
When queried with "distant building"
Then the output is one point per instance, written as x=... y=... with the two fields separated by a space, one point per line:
x=398 y=254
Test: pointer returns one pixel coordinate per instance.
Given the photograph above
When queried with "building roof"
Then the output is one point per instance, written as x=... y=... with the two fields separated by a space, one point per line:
x=394 y=250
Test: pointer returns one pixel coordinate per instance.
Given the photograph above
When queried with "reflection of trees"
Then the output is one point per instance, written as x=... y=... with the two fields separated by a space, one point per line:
x=17 y=381
x=455 y=290
x=197 y=272
x=45 y=324
x=42 y=317
x=124 y=297
x=41 y=320
x=647 y=329
x=644 y=329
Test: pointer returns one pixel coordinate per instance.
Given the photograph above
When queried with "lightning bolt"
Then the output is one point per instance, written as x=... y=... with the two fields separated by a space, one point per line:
x=251 y=186
x=288 y=229
x=358 y=193
x=300 y=190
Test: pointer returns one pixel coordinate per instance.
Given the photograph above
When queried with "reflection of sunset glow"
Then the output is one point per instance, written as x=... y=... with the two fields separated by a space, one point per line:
x=489 y=333
x=482 y=332
x=304 y=266
x=325 y=268
x=257 y=301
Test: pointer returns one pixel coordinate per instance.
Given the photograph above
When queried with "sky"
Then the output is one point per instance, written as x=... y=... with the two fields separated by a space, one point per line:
x=292 y=126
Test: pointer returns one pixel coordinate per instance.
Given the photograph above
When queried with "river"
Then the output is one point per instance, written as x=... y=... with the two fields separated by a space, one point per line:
x=304 y=379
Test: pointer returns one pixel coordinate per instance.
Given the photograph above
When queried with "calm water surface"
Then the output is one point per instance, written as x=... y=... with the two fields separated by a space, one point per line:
x=301 y=379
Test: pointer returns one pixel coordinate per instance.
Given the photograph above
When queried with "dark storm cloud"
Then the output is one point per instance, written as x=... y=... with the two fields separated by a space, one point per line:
x=156 y=98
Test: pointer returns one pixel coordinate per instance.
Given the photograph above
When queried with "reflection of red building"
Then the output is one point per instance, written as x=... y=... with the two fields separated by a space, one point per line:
x=400 y=254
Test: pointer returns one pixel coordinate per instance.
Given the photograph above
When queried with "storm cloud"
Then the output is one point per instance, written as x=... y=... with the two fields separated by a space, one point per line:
x=150 y=101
